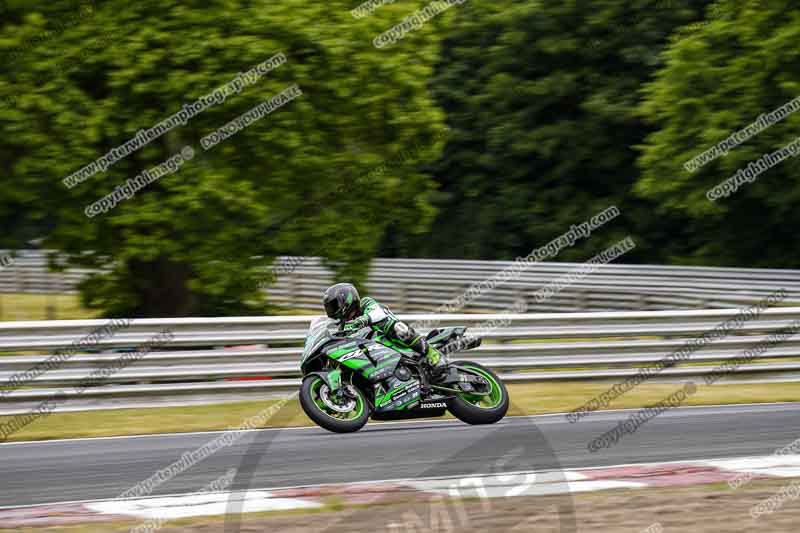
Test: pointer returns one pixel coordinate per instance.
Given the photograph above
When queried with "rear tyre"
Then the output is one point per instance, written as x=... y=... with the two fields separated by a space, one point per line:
x=475 y=409
x=312 y=392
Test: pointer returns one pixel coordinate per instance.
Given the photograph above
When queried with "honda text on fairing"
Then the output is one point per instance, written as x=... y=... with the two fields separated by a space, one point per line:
x=350 y=377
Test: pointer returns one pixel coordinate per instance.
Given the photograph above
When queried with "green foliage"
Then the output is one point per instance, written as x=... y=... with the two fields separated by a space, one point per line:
x=718 y=80
x=531 y=115
x=541 y=98
x=185 y=244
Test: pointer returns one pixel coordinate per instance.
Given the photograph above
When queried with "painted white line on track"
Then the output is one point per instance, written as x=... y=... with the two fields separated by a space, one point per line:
x=564 y=479
x=172 y=507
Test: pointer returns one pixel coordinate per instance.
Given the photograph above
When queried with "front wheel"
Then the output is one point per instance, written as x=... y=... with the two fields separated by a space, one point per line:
x=489 y=402
x=340 y=415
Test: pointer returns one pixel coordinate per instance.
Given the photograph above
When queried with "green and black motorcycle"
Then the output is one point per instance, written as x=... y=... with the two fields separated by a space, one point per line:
x=350 y=377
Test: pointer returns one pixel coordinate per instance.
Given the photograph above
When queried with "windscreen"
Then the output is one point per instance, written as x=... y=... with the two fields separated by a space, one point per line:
x=319 y=331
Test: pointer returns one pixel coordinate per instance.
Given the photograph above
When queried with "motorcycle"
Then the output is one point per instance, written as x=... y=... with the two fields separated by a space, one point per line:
x=350 y=377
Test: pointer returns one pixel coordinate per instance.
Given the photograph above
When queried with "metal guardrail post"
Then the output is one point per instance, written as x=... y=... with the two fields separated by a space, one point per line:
x=50 y=296
x=402 y=298
x=291 y=284
x=19 y=285
x=583 y=303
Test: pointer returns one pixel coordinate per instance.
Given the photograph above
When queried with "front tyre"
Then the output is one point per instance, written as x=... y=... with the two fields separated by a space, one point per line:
x=486 y=408
x=332 y=414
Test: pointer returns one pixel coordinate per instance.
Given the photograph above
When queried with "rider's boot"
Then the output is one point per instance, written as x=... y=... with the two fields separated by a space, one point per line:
x=437 y=364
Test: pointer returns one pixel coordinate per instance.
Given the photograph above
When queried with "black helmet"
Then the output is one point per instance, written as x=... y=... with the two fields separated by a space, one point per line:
x=341 y=300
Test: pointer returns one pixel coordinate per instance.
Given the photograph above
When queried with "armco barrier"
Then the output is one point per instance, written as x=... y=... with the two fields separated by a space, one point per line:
x=422 y=285
x=261 y=354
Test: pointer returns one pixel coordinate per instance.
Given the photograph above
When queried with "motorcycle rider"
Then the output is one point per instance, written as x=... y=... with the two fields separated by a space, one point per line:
x=343 y=303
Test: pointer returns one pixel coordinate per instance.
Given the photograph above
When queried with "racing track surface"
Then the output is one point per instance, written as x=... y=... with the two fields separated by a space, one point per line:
x=71 y=470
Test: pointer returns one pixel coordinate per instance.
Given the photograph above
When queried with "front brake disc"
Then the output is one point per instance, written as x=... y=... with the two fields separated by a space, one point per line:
x=346 y=407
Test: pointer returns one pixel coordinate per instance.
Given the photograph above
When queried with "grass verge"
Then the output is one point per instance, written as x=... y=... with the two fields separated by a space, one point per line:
x=21 y=306
x=526 y=399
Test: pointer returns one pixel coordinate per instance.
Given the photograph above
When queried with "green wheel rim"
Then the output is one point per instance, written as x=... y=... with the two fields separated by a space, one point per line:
x=350 y=415
x=490 y=401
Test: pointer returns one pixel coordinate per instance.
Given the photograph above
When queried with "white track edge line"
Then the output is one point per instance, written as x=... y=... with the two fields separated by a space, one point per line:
x=394 y=480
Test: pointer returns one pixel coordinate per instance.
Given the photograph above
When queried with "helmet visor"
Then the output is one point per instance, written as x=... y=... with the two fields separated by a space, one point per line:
x=332 y=308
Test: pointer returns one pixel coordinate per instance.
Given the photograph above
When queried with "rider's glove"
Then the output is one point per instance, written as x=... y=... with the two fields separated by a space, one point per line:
x=356 y=324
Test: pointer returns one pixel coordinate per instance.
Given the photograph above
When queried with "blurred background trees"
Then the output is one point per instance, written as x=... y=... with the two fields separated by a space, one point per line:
x=542 y=101
x=717 y=80
x=196 y=242
x=483 y=134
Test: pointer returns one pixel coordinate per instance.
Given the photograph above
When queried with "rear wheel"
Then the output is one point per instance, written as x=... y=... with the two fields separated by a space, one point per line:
x=489 y=402
x=338 y=414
